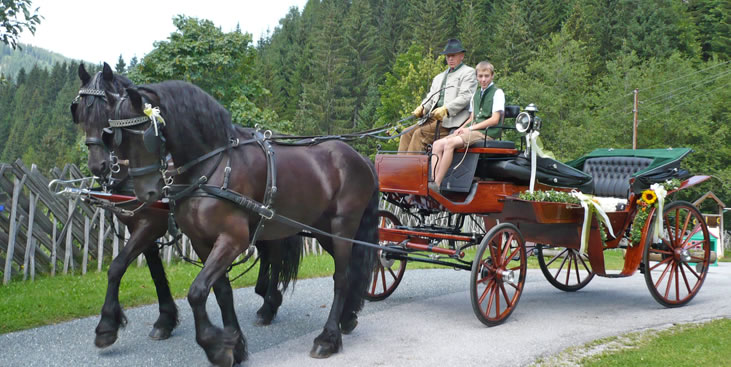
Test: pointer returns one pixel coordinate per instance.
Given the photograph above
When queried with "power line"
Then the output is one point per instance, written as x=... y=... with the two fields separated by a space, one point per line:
x=686 y=75
x=695 y=99
x=670 y=95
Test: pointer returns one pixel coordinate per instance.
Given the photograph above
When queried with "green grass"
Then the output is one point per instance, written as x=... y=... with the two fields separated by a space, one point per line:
x=49 y=300
x=685 y=345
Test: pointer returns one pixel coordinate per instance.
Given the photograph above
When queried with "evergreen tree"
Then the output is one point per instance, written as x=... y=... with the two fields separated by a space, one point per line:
x=472 y=32
x=132 y=63
x=121 y=67
x=360 y=55
x=430 y=22
x=510 y=46
x=713 y=18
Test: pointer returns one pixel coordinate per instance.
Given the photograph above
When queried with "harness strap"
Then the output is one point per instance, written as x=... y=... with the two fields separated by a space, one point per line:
x=268 y=213
x=232 y=144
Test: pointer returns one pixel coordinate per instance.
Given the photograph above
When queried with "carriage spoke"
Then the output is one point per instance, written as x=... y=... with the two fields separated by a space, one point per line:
x=658 y=251
x=584 y=263
x=568 y=269
x=505 y=294
x=677 y=282
x=490 y=298
x=497 y=300
x=670 y=280
x=576 y=267
x=512 y=255
x=692 y=271
x=556 y=257
x=392 y=273
x=486 y=291
x=664 y=272
x=661 y=262
x=383 y=279
x=560 y=267
x=685 y=279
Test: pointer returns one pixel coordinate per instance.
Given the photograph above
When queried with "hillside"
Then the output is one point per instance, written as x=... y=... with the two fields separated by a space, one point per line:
x=11 y=61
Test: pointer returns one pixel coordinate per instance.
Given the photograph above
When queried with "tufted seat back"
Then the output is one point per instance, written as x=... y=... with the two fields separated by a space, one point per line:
x=612 y=174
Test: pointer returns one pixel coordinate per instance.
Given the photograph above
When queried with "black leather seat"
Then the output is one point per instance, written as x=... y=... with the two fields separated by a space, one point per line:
x=612 y=174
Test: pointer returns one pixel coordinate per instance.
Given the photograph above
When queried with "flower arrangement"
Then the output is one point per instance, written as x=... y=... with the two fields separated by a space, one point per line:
x=549 y=196
x=648 y=200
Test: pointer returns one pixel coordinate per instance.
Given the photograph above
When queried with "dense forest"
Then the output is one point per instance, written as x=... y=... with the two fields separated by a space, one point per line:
x=341 y=66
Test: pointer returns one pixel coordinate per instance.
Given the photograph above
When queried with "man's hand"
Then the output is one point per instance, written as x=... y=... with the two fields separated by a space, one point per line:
x=418 y=112
x=440 y=113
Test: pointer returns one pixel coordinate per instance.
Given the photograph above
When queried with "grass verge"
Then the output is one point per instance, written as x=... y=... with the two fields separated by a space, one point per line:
x=703 y=344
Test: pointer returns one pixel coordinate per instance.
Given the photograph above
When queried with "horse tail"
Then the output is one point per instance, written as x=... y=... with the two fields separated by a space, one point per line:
x=290 y=261
x=363 y=258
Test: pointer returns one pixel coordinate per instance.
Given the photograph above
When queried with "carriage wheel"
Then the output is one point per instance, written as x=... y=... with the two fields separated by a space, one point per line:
x=677 y=264
x=498 y=274
x=388 y=272
x=569 y=270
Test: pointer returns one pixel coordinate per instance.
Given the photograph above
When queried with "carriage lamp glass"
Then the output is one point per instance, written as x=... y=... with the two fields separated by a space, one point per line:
x=523 y=122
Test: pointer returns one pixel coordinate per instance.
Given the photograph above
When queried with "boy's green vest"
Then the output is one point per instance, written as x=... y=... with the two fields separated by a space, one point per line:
x=482 y=108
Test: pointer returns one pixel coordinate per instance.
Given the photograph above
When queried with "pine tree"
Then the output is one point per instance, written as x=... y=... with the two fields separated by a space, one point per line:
x=430 y=22
x=510 y=46
x=360 y=55
x=121 y=67
x=471 y=32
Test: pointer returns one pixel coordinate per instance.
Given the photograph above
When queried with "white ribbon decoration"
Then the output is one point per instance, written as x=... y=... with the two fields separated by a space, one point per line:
x=535 y=149
x=661 y=193
x=154 y=114
x=590 y=206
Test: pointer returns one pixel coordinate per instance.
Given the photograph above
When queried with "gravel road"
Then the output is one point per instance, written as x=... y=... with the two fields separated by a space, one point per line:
x=428 y=321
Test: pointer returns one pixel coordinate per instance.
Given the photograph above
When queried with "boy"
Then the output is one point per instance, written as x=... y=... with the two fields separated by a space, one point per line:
x=486 y=108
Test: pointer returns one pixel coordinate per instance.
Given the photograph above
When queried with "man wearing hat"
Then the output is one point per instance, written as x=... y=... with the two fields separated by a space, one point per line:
x=448 y=101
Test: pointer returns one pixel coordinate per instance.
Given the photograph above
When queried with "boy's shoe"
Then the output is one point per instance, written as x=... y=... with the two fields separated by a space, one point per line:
x=434 y=187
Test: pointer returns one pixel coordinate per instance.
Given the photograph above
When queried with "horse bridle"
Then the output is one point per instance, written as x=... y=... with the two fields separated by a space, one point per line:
x=153 y=140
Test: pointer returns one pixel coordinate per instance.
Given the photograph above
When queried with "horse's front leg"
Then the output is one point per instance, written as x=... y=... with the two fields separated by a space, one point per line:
x=168 y=319
x=330 y=340
x=220 y=345
x=225 y=299
x=112 y=316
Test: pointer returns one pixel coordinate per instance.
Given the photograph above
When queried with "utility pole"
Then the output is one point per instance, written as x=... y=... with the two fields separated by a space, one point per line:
x=634 y=124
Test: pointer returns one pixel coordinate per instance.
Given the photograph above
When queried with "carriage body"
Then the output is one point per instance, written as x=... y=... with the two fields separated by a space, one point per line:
x=496 y=173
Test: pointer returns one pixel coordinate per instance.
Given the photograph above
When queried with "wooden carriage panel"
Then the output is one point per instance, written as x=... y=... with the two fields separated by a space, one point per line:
x=403 y=173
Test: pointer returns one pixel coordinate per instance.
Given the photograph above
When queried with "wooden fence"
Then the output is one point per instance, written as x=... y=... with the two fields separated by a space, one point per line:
x=43 y=233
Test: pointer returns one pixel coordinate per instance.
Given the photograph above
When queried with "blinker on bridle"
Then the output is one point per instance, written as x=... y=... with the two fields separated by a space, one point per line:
x=94 y=93
x=152 y=137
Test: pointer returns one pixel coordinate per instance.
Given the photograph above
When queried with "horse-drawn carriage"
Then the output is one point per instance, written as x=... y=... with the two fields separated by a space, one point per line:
x=270 y=190
x=624 y=188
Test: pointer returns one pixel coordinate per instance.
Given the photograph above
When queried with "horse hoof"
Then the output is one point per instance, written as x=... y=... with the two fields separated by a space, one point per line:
x=240 y=353
x=104 y=340
x=224 y=358
x=322 y=351
x=263 y=320
x=347 y=327
x=159 y=334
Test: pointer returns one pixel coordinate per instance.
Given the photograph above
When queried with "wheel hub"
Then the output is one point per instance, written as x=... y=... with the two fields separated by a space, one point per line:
x=385 y=261
x=682 y=255
x=507 y=276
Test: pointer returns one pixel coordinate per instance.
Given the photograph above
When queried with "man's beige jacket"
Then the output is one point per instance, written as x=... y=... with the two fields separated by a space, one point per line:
x=460 y=87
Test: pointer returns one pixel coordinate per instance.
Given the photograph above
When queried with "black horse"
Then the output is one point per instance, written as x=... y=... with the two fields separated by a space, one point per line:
x=279 y=259
x=225 y=171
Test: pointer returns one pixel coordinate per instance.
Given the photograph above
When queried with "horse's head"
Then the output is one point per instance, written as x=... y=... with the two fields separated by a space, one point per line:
x=89 y=111
x=138 y=138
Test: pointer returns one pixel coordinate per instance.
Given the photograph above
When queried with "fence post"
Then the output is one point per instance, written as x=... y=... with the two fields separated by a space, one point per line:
x=33 y=200
x=17 y=185
x=100 y=245
x=84 y=259
x=34 y=243
x=115 y=238
x=53 y=249
x=68 y=259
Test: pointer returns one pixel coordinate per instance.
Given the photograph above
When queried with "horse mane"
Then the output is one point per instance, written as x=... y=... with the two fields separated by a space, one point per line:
x=198 y=118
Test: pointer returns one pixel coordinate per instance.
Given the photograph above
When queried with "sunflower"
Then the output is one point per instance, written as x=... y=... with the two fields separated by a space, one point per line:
x=649 y=197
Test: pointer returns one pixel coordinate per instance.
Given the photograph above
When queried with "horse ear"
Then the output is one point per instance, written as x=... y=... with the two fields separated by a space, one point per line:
x=107 y=73
x=135 y=98
x=83 y=74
